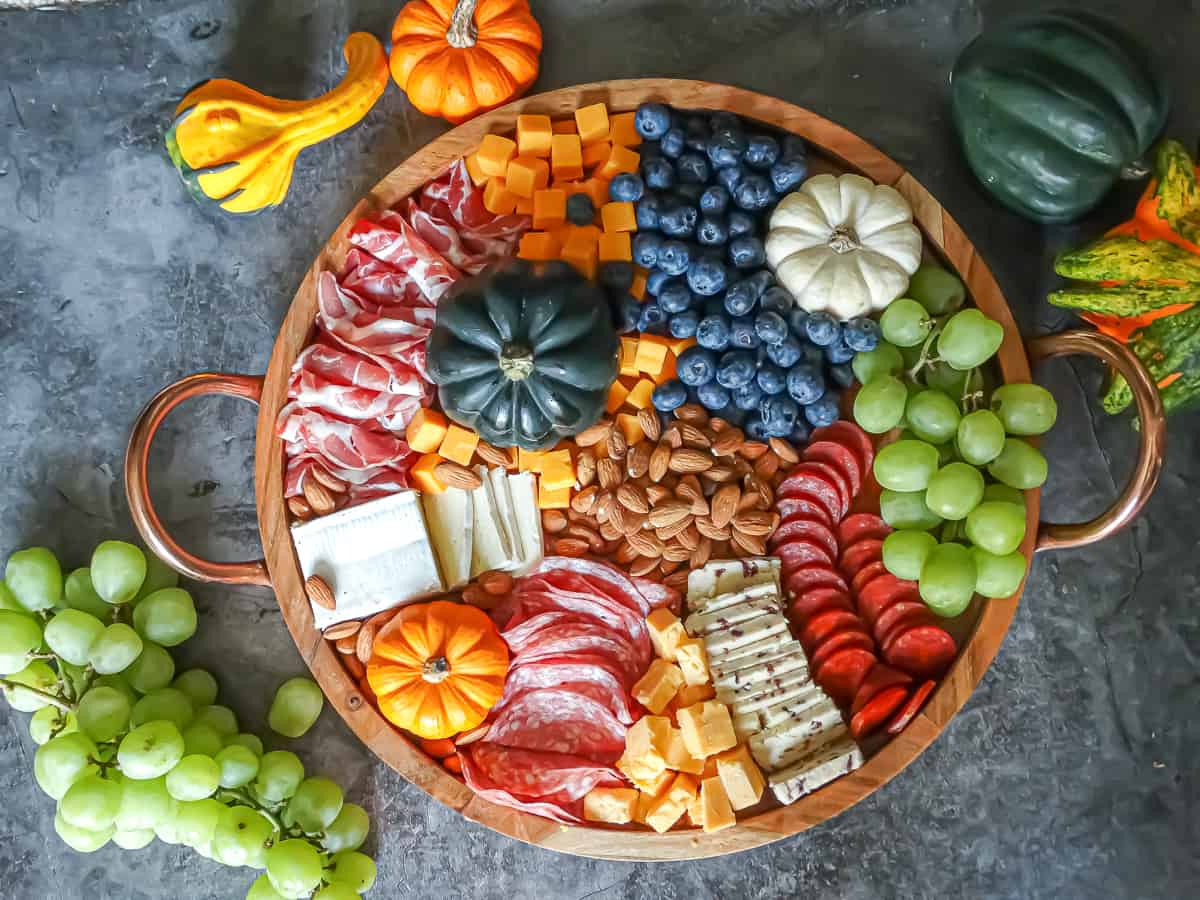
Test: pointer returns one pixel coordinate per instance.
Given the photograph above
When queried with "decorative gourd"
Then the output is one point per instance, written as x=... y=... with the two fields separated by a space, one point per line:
x=1052 y=110
x=437 y=668
x=843 y=245
x=524 y=359
x=236 y=146
x=458 y=58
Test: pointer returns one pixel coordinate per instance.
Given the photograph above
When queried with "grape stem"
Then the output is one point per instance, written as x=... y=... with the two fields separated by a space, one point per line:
x=925 y=359
x=51 y=699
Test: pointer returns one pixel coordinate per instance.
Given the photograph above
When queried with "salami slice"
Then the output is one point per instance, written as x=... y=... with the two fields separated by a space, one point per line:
x=857 y=555
x=803 y=505
x=880 y=593
x=799 y=551
x=598 y=681
x=813 y=601
x=801 y=525
x=813 y=575
x=867 y=574
x=925 y=651
x=521 y=635
x=545 y=784
x=911 y=707
x=844 y=671
x=877 y=710
x=880 y=677
x=897 y=614
x=577 y=637
x=852 y=636
x=822 y=480
x=576 y=593
x=840 y=458
x=824 y=624
x=862 y=526
x=852 y=437
x=644 y=594
x=559 y=721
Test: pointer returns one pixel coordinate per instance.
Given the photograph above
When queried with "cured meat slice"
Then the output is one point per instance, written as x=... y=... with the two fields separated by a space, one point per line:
x=597 y=680
x=392 y=239
x=536 y=605
x=803 y=505
x=392 y=336
x=862 y=526
x=800 y=551
x=576 y=637
x=880 y=593
x=860 y=554
x=814 y=600
x=443 y=237
x=851 y=636
x=911 y=707
x=453 y=196
x=813 y=575
x=844 y=671
x=880 y=677
x=871 y=717
x=924 y=651
x=826 y=623
x=898 y=614
x=801 y=525
x=380 y=282
x=345 y=445
x=573 y=590
x=645 y=595
x=364 y=484
x=866 y=574
x=522 y=635
x=559 y=721
x=816 y=480
x=840 y=458
x=851 y=436
x=349 y=402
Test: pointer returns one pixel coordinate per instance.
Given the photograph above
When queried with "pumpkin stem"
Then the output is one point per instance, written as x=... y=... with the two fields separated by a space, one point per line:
x=843 y=240
x=516 y=361
x=435 y=670
x=1134 y=171
x=462 y=32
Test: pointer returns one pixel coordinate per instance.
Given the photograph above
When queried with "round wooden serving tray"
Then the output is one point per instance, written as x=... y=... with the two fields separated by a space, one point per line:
x=980 y=631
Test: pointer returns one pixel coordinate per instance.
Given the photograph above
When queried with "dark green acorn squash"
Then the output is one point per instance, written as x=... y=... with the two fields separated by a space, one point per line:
x=524 y=358
x=1052 y=110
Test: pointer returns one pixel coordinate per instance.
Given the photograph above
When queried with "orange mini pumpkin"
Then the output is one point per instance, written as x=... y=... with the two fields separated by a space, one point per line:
x=458 y=58
x=438 y=668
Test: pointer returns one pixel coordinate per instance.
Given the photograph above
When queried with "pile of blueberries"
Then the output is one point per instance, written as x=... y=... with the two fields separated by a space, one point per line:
x=703 y=195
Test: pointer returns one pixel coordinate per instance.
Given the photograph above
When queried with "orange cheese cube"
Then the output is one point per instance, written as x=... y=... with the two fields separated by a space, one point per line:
x=621 y=130
x=691 y=694
x=643 y=807
x=706 y=728
x=678 y=758
x=494 y=153
x=715 y=811
x=680 y=344
x=426 y=430
x=497 y=198
x=559 y=499
x=592 y=123
x=650 y=784
x=618 y=216
x=476 y=173
x=549 y=208
x=638 y=288
x=651 y=355
x=669 y=370
x=563 y=126
x=631 y=428
x=616 y=397
x=539 y=246
x=740 y=776
x=529 y=460
x=674 y=801
x=655 y=689
x=639 y=396
x=580 y=251
x=621 y=159
x=566 y=156
x=597 y=188
x=557 y=471
x=524 y=206
x=615 y=247
x=616 y=806
x=628 y=358
x=533 y=135
x=595 y=154
x=527 y=174
x=590 y=232
x=422 y=474
x=459 y=444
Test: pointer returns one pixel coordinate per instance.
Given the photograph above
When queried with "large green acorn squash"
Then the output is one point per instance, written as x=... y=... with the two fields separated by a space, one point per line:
x=524 y=358
x=1052 y=110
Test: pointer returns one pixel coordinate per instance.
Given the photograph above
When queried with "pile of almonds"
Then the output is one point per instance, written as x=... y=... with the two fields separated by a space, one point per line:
x=690 y=491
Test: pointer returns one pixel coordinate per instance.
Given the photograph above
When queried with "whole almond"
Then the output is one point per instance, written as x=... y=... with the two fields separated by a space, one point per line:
x=635 y=521
x=687 y=459
x=585 y=468
x=689 y=537
x=319 y=497
x=716 y=423
x=785 y=451
x=353 y=666
x=766 y=465
x=341 y=630
x=582 y=502
x=742 y=466
x=569 y=546
x=617 y=445
x=705 y=526
x=692 y=412
x=610 y=532
x=299 y=507
x=693 y=436
x=660 y=461
x=728 y=441
x=593 y=434
x=594 y=541
x=676 y=553
x=453 y=475
x=493 y=456
x=657 y=493
x=329 y=480
x=625 y=553
x=677 y=581
x=553 y=520
x=649 y=421
x=753 y=449
x=720 y=474
x=643 y=565
x=474 y=595
x=364 y=642
x=700 y=555
x=753 y=544
x=608 y=473
x=673 y=435
x=382 y=618
x=725 y=504
x=669 y=566
x=603 y=506
x=347 y=644
x=633 y=497
x=495 y=582
x=637 y=461
x=319 y=592
x=669 y=512
x=645 y=543
x=689 y=487
x=617 y=516
x=670 y=532
x=758 y=524
x=749 y=500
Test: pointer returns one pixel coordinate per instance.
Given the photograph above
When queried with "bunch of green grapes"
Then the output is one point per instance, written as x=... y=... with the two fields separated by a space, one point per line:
x=132 y=751
x=953 y=482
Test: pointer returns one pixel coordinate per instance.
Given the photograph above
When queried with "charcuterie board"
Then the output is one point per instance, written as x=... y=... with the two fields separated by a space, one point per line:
x=975 y=634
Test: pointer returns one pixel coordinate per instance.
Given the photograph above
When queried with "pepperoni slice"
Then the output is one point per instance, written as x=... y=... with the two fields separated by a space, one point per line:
x=826 y=623
x=862 y=526
x=841 y=458
x=841 y=639
x=806 y=526
x=851 y=437
x=834 y=475
x=814 y=601
x=859 y=554
x=881 y=677
x=925 y=651
x=803 y=505
x=843 y=673
x=868 y=572
x=877 y=711
x=815 y=479
x=880 y=593
x=798 y=552
x=910 y=709
x=897 y=614
x=812 y=575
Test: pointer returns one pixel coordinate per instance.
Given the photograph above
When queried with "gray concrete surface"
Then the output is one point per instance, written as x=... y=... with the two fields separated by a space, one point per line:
x=1072 y=772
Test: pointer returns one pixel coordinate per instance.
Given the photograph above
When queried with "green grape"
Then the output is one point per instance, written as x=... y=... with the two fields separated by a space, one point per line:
x=250 y=741
x=315 y=804
x=279 y=774
x=1025 y=408
x=1019 y=465
x=62 y=761
x=202 y=739
x=8 y=600
x=336 y=891
x=349 y=830
x=905 y=323
x=904 y=552
x=115 y=650
x=296 y=706
x=238 y=766
x=241 y=837
x=1005 y=494
x=153 y=669
x=980 y=437
x=133 y=840
x=117 y=681
x=71 y=634
x=144 y=804
x=199 y=685
x=932 y=416
x=263 y=890
x=167 y=830
x=49 y=722
x=997 y=576
x=35 y=578
x=885 y=359
x=167 y=617
x=196 y=821
x=194 y=778
x=158 y=576
x=969 y=339
x=937 y=290
x=954 y=384
x=906 y=465
x=954 y=490
x=20 y=638
x=879 y=404
x=150 y=750
x=947 y=580
x=165 y=703
x=997 y=526
x=220 y=718
x=118 y=570
x=294 y=867
x=91 y=803
x=103 y=713
x=80 y=594
x=80 y=839
x=902 y=509
x=36 y=675
x=357 y=870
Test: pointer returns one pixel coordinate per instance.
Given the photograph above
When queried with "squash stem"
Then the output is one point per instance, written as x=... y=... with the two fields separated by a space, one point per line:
x=516 y=361
x=435 y=670
x=462 y=32
x=1134 y=171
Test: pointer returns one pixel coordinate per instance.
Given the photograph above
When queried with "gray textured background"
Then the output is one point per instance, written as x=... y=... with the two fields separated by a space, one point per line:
x=1072 y=772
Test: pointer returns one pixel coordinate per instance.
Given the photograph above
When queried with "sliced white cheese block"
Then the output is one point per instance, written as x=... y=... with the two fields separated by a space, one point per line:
x=785 y=708
x=724 y=575
x=746 y=671
x=709 y=606
x=450 y=518
x=806 y=775
x=746 y=725
x=504 y=509
x=490 y=548
x=768 y=693
x=772 y=645
x=780 y=744
x=523 y=488
x=728 y=616
x=749 y=632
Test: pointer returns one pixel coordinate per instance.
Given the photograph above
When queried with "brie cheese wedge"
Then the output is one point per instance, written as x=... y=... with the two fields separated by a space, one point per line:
x=490 y=549
x=831 y=761
x=523 y=489
x=450 y=518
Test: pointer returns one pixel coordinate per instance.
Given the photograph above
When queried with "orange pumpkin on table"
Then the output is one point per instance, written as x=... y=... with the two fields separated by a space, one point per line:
x=438 y=668
x=458 y=58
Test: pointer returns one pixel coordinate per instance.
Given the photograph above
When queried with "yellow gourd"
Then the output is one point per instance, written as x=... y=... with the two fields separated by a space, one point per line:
x=237 y=147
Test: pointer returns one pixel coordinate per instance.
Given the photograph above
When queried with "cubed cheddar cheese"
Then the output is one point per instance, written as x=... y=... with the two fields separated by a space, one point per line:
x=638 y=288
x=494 y=153
x=616 y=247
x=539 y=246
x=616 y=397
x=631 y=428
x=523 y=206
x=645 y=801
x=741 y=777
x=621 y=130
x=422 y=475
x=557 y=473
x=459 y=444
x=678 y=758
x=710 y=768
x=563 y=126
x=527 y=174
x=627 y=361
x=678 y=345
x=618 y=216
x=639 y=396
x=533 y=135
x=694 y=813
x=592 y=123
x=666 y=631
x=559 y=499
x=426 y=430
x=646 y=742
x=580 y=250
x=595 y=154
x=691 y=694
x=597 y=189
x=707 y=728
x=549 y=208
x=692 y=660
x=657 y=687
x=529 y=460
x=616 y=806
x=590 y=232
x=715 y=811
x=477 y=174
x=620 y=159
x=674 y=801
x=651 y=785
x=669 y=370
x=651 y=355
x=497 y=198
x=566 y=156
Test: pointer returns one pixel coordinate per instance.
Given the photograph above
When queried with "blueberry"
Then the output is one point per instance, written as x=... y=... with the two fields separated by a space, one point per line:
x=842 y=375
x=731 y=176
x=822 y=329
x=677 y=219
x=741 y=223
x=777 y=300
x=655 y=281
x=736 y=368
x=770 y=326
x=747 y=252
x=646 y=247
x=696 y=132
x=796 y=318
x=754 y=428
x=748 y=396
x=653 y=318
x=658 y=172
x=707 y=276
x=740 y=298
x=712 y=231
x=760 y=282
x=794 y=147
x=713 y=396
x=692 y=168
x=684 y=324
x=627 y=313
x=771 y=379
x=861 y=335
x=779 y=412
x=762 y=151
x=616 y=275
x=646 y=211
x=715 y=199
x=838 y=352
x=812 y=354
x=675 y=296
x=696 y=365
x=733 y=415
x=647 y=149
x=726 y=148
x=674 y=257
x=822 y=412
x=652 y=120
x=786 y=353
x=713 y=333
x=689 y=193
x=805 y=383
x=580 y=209
x=800 y=433
x=753 y=193
x=626 y=188
x=724 y=121
x=742 y=334
x=673 y=142
x=787 y=173
x=668 y=396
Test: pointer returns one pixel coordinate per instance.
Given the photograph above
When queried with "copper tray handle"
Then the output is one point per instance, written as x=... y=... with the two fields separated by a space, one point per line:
x=1151 y=447
x=137 y=488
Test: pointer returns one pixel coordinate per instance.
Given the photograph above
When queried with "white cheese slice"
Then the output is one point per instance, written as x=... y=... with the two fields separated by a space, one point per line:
x=718 y=602
x=768 y=693
x=780 y=745
x=727 y=616
x=504 y=511
x=746 y=725
x=790 y=707
x=523 y=488
x=724 y=575
x=450 y=519
x=766 y=710
x=373 y=556
x=749 y=632
x=489 y=548
x=747 y=671
x=831 y=761
x=772 y=645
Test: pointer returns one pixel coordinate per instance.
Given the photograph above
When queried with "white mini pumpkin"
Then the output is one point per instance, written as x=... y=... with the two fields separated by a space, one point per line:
x=843 y=245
